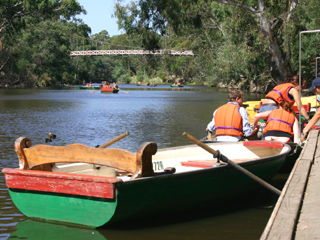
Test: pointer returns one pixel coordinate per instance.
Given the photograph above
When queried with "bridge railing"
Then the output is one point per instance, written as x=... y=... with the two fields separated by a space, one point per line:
x=131 y=52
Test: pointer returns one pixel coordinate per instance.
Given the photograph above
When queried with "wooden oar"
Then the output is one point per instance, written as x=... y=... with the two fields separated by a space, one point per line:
x=107 y=144
x=114 y=140
x=92 y=91
x=123 y=91
x=226 y=160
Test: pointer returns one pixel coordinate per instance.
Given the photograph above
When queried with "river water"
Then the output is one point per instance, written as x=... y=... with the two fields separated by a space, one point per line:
x=151 y=114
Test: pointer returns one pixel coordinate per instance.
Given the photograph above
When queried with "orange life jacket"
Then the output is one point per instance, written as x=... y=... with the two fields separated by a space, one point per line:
x=280 y=120
x=228 y=120
x=281 y=92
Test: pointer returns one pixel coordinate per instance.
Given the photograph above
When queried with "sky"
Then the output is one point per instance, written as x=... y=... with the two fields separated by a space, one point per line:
x=98 y=16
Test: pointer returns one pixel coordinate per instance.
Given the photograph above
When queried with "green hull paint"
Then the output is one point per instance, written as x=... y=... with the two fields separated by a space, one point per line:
x=89 y=88
x=149 y=196
x=87 y=211
x=154 y=196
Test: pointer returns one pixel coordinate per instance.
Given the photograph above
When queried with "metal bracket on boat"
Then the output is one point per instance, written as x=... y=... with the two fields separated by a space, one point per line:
x=219 y=157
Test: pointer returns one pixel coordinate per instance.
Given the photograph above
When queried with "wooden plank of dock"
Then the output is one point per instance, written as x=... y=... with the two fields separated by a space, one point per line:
x=285 y=216
x=309 y=220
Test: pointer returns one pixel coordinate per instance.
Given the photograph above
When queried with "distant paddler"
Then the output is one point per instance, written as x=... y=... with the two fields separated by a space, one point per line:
x=115 y=85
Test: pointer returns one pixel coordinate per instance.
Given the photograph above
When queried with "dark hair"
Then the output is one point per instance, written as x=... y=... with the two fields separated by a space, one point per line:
x=285 y=105
x=295 y=81
x=233 y=95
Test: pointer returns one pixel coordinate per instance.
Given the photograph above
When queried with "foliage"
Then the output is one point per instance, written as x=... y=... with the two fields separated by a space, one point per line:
x=235 y=40
x=248 y=44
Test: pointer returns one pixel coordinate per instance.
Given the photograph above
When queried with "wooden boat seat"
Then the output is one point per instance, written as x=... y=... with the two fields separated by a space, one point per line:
x=42 y=157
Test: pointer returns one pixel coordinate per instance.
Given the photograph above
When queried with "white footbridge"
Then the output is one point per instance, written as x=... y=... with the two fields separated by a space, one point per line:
x=131 y=52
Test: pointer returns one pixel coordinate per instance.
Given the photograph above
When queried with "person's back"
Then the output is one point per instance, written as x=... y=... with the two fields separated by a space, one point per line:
x=281 y=125
x=289 y=91
x=230 y=121
x=281 y=92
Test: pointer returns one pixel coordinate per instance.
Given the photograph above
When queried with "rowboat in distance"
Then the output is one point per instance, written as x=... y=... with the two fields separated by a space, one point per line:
x=109 y=90
x=89 y=88
x=81 y=185
x=176 y=85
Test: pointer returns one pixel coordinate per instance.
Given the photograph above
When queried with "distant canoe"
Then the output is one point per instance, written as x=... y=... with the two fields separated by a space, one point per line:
x=176 y=85
x=89 y=88
x=109 y=90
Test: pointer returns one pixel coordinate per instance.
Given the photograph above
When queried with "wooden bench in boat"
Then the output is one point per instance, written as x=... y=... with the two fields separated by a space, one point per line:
x=43 y=157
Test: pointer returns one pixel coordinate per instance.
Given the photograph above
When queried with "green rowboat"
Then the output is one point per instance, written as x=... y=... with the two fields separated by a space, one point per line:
x=128 y=185
x=89 y=88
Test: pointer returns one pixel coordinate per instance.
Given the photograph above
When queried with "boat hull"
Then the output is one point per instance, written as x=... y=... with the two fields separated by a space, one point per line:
x=95 y=201
x=109 y=90
x=89 y=88
x=291 y=158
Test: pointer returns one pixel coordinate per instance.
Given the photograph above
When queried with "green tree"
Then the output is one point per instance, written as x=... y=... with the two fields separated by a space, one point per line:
x=13 y=15
x=258 y=33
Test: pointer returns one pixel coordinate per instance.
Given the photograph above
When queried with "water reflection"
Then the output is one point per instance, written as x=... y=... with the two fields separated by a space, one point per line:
x=30 y=229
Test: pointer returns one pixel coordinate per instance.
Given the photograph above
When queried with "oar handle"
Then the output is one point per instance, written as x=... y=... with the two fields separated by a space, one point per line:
x=236 y=166
x=114 y=140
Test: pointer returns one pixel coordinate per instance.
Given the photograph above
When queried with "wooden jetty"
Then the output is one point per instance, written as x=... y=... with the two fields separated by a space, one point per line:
x=296 y=214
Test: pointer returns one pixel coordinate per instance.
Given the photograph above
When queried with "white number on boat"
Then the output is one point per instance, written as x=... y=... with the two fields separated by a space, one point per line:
x=157 y=166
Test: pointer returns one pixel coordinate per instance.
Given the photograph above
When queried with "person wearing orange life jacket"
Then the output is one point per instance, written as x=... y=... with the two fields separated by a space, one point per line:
x=107 y=85
x=230 y=121
x=289 y=91
x=282 y=123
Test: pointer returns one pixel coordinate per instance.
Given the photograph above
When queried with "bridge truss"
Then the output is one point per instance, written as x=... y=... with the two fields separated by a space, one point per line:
x=131 y=52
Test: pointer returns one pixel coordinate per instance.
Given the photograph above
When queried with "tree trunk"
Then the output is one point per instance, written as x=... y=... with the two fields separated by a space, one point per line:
x=279 y=64
x=279 y=61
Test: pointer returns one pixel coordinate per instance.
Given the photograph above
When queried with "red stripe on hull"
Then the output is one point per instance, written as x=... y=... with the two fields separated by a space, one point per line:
x=102 y=187
x=271 y=144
